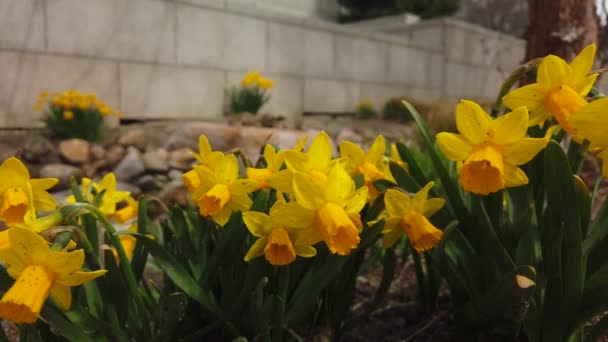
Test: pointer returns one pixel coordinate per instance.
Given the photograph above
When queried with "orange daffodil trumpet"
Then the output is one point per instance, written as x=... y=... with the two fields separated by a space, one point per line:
x=21 y=196
x=39 y=272
x=336 y=206
x=488 y=150
x=408 y=215
x=559 y=91
x=282 y=234
x=220 y=192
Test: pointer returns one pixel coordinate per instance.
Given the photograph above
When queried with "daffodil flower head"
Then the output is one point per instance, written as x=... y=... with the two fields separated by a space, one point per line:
x=316 y=162
x=335 y=204
x=251 y=78
x=488 y=150
x=220 y=192
x=21 y=196
x=370 y=165
x=409 y=215
x=39 y=271
x=283 y=234
x=129 y=211
x=111 y=195
x=559 y=91
x=591 y=122
x=207 y=158
x=128 y=243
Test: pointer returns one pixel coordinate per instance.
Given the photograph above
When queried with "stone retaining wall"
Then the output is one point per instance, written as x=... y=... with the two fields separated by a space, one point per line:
x=155 y=59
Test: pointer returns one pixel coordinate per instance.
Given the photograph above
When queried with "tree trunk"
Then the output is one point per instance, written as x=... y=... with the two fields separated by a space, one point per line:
x=560 y=27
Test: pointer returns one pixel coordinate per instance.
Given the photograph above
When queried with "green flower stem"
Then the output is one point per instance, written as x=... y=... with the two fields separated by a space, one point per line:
x=124 y=264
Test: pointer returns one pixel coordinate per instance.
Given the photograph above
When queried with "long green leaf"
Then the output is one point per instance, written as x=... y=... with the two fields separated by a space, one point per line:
x=562 y=250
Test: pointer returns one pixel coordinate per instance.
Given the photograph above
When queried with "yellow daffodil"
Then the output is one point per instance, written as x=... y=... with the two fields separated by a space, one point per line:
x=591 y=122
x=20 y=196
x=128 y=243
x=206 y=157
x=488 y=151
x=281 y=235
x=316 y=162
x=560 y=89
x=68 y=115
x=274 y=161
x=111 y=196
x=408 y=215
x=129 y=211
x=251 y=78
x=336 y=206
x=220 y=192
x=370 y=164
x=39 y=271
x=265 y=83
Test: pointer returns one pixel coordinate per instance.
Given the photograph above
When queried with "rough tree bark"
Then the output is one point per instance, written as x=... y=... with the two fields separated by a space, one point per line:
x=560 y=27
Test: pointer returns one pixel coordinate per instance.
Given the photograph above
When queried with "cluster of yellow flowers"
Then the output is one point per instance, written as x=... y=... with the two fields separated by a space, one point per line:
x=317 y=198
x=367 y=104
x=488 y=150
x=39 y=269
x=255 y=78
x=70 y=100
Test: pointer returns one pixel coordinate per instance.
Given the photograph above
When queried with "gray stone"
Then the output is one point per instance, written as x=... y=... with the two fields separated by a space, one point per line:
x=134 y=190
x=350 y=135
x=134 y=137
x=181 y=159
x=75 y=151
x=156 y=160
x=63 y=172
x=38 y=149
x=149 y=183
x=130 y=166
x=175 y=174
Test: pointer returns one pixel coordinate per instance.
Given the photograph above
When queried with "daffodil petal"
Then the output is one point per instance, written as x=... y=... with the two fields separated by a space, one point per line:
x=375 y=154
x=472 y=121
x=43 y=201
x=524 y=150
x=551 y=72
x=352 y=151
x=421 y=196
x=222 y=217
x=584 y=85
x=281 y=181
x=538 y=117
x=511 y=127
x=530 y=96
x=62 y=295
x=591 y=122
x=339 y=184
x=41 y=184
x=514 y=176
x=78 y=278
x=396 y=202
x=65 y=261
x=257 y=249
x=391 y=223
x=28 y=246
x=454 y=146
x=308 y=193
x=257 y=223
x=319 y=153
x=13 y=172
x=432 y=205
x=307 y=237
x=581 y=65
x=291 y=215
x=356 y=201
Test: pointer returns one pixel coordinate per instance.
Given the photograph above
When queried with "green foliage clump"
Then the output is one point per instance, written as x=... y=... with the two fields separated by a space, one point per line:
x=251 y=95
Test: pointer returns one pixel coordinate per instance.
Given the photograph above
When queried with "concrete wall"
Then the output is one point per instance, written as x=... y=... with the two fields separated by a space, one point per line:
x=173 y=59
